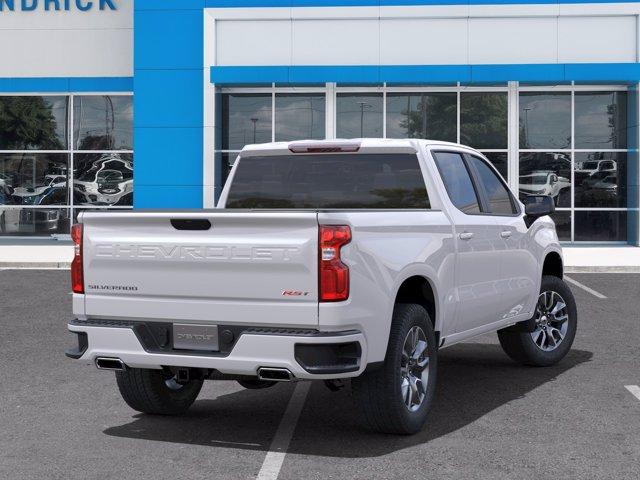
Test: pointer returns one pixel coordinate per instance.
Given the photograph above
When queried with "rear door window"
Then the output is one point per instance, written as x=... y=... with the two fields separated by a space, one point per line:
x=327 y=181
x=457 y=181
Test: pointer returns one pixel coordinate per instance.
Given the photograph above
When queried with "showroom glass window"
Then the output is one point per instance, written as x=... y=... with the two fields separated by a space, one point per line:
x=60 y=154
x=359 y=116
x=484 y=126
x=567 y=141
x=585 y=172
x=422 y=115
x=267 y=115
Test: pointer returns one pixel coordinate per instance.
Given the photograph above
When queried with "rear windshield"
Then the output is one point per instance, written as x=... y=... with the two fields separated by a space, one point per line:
x=329 y=181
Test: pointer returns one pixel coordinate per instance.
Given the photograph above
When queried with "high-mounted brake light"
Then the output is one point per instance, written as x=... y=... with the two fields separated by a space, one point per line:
x=333 y=274
x=77 y=277
x=324 y=147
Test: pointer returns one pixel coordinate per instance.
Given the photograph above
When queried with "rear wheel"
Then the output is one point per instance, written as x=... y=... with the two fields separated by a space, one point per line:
x=156 y=391
x=555 y=323
x=397 y=397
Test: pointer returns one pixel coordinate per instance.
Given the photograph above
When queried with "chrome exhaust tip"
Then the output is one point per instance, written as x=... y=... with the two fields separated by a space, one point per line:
x=110 y=363
x=275 y=374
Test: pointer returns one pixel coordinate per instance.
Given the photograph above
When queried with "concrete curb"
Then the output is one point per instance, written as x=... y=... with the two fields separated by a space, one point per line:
x=34 y=265
x=600 y=269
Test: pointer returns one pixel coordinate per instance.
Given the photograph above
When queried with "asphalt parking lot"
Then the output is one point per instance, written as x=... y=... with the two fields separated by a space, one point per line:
x=491 y=419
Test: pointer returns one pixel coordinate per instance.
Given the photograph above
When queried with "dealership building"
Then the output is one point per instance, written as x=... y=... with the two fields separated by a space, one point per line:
x=120 y=104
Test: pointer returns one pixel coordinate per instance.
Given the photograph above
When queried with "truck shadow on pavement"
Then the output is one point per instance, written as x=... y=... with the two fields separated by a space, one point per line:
x=473 y=380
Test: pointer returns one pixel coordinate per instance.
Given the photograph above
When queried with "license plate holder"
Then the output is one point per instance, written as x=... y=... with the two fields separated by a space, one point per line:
x=189 y=336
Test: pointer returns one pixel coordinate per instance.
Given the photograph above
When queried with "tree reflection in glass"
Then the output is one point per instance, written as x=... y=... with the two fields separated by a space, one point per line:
x=430 y=116
x=483 y=119
x=103 y=122
x=33 y=123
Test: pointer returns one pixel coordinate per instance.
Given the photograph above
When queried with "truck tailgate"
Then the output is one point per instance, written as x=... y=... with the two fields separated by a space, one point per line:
x=248 y=268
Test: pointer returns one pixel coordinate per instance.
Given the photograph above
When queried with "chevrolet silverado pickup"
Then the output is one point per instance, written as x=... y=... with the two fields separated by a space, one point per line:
x=324 y=260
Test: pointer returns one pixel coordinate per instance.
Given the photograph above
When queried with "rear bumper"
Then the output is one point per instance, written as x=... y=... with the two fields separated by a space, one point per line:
x=252 y=350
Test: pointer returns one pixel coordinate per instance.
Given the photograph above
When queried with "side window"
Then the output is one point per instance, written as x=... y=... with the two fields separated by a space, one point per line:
x=500 y=202
x=457 y=181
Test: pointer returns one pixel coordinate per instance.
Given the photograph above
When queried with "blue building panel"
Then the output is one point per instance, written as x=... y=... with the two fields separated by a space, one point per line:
x=383 y=3
x=168 y=89
x=66 y=84
x=428 y=74
x=168 y=98
x=176 y=159
x=177 y=45
x=169 y=5
x=168 y=196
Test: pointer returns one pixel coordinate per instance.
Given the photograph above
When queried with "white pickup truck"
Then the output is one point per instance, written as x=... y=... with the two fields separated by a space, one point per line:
x=324 y=260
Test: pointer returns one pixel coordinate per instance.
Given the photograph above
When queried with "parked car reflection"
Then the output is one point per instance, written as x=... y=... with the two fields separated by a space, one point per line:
x=600 y=180
x=543 y=183
x=107 y=180
x=596 y=179
x=32 y=194
x=546 y=174
x=29 y=221
x=594 y=166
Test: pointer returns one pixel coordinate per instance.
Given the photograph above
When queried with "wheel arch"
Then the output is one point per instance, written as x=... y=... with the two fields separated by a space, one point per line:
x=553 y=264
x=419 y=289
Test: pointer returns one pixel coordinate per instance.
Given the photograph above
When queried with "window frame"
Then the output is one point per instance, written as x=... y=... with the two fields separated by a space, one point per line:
x=483 y=191
x=512 y=151
x=70 y=152
x=446 y=187
x=420 y=171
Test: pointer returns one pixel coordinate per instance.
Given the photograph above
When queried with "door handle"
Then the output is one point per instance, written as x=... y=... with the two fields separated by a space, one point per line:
x=466 y=236
x=506 y=234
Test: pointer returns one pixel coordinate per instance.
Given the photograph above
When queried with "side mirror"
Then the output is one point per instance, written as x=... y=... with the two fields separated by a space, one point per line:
x=536 y=206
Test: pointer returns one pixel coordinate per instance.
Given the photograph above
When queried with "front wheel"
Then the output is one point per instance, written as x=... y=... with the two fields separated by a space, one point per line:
x=397 y=397
x=156 y=391
x=555 y=324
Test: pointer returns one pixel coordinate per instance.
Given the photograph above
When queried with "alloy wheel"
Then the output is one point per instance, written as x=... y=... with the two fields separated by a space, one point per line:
x=552 y=321
x=414 y=369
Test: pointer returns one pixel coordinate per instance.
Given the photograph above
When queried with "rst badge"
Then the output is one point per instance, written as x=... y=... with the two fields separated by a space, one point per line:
x=294 y=293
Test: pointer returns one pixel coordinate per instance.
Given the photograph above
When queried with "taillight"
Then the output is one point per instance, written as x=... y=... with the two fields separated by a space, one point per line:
x=77 y=278
x=333 y=275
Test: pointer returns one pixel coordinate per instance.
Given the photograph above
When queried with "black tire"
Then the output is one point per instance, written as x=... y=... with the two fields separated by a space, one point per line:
x=148 y=391
x=520 y=345
x=255 y=384
x=378 y=394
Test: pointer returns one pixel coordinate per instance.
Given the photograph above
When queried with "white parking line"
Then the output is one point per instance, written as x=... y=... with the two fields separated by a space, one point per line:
x=634 y=389
x=584 y=287
x=278 y=449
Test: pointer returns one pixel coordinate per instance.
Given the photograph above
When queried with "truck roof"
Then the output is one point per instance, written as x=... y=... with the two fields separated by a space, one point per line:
x=363 y=144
